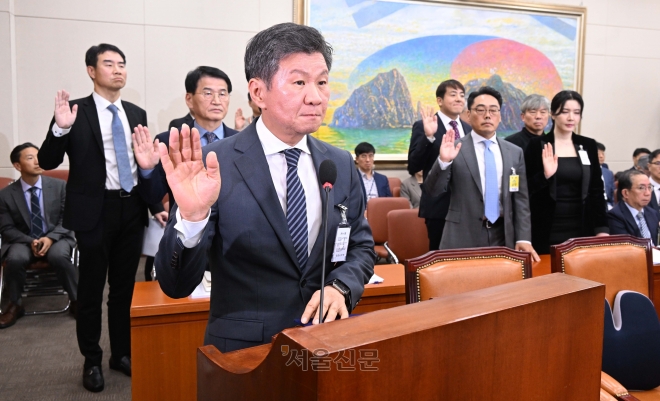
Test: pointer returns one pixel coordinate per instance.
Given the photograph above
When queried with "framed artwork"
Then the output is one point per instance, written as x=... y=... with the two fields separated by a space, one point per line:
x=390 y=56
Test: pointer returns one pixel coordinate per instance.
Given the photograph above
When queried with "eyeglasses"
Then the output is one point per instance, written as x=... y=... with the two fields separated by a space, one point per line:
x=655 y=163
x=644 y=188
x=210 y=95
x=366 y=156
x=542 y=112
x=481 y=111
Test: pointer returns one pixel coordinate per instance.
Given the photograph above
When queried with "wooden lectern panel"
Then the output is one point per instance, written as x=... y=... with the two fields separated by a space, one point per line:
x=538 y=339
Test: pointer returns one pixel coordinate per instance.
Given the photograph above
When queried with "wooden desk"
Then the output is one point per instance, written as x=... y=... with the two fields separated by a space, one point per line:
x=166 y=332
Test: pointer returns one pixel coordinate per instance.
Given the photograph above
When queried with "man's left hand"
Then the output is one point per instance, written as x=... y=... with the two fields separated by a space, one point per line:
x=523 y=246
x=333 y=304
x=47 y=242
x=162 y=218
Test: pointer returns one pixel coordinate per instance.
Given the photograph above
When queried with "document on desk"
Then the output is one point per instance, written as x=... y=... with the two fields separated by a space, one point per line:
x=656 y=256
x=376 y=279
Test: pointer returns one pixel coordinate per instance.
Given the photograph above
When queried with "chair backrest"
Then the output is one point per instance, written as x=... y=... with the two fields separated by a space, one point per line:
x=407 y=236
x=5 y=181
x=396 y=192
x=395 y=184
x=377 y=210
x=448 y=272
x=61 y=174
x=621 y=262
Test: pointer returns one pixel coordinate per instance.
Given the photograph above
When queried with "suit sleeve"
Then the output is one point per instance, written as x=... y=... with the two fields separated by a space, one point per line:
x=617 y=224
x=521 y=212
x=437 y=181
x=419 y=149
x=536 y=180
x=59 y=231
x=53 y=149
x=597 y=205
x=10 y=233
x=358 y=268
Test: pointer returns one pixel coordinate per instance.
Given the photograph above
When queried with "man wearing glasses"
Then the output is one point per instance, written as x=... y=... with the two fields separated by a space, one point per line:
x=654 y=178
x=489 y=203
x=207 y=96
x=634 y=216
x=534 y=114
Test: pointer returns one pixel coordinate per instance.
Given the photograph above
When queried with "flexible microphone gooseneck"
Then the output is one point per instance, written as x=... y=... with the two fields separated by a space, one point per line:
x=328 y=176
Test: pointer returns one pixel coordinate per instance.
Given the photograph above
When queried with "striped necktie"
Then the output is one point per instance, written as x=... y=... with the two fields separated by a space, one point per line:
x=296 y=209
x=36 y=221
x=454 y=126
x=643 y=228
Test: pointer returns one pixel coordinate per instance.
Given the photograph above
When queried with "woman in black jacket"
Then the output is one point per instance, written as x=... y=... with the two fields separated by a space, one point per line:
x=566 y=192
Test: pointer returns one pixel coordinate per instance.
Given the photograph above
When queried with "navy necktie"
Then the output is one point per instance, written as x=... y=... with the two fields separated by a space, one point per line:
x=37 y=222
x=121 y=151
x=296 y=208
x=210 y=137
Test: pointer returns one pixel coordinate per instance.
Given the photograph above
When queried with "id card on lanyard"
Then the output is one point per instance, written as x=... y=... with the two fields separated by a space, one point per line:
x=340 y=248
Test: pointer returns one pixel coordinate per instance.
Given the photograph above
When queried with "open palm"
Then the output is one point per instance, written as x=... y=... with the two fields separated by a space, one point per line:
x=65 y=116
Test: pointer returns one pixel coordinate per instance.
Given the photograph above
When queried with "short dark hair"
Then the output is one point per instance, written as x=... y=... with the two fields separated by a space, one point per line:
x=484 y=90
x=92 y=55
x=364 y=147
x=639 y=151
x=654 y=154
x=249 y=97
x=266 y=49
x=626 y=181
x=193 y=77
x=15 y=155
x=561 y=98
x=600 y=146
x=450 y=83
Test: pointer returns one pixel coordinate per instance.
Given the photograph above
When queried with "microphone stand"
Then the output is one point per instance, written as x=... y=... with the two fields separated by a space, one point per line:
x=327 y=187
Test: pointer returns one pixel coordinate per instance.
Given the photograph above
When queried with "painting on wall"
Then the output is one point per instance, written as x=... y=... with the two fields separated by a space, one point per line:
x=390 y=56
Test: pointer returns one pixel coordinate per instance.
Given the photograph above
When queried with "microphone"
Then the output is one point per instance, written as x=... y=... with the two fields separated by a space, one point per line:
x=327 y=176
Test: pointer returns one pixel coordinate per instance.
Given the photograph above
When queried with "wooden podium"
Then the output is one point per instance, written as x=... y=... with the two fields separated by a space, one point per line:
x=538 y=339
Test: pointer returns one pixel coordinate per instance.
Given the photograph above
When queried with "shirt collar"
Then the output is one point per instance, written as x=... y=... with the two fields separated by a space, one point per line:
x=273 y=144
x=27 y=186
x=103 y=103
x=364 y=175
x=219 y=132
x=633 y=211
x=476 y=138
x=655 y=184
x=445 y=119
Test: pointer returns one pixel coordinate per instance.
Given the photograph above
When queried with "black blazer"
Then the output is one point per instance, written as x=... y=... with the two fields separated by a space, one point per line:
x=654 y=202
x=85 y=188
x=156 y=185
x=621 y=221
x=178 y=122
x=421 y=156
x=542 y=191
x=382 y=186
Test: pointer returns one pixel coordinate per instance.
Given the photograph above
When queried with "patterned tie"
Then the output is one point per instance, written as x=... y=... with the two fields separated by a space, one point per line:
x=643 y=228
x=491 y=192
x=296 y=209
x=121 y=151
x=37 y=222
x=454 y=126
x=210 y=137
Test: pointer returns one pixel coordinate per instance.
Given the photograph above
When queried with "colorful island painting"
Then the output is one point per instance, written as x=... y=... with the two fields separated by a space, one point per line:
x=391 y=55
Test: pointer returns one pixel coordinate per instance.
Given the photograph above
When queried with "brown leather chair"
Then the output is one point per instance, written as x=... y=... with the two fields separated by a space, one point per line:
x=614 y=389
x=407 y=236
x=5 y=181
x=621 y=262
x=396 y=192
x=61 y=174
x=377 y=210
x=448 y=272
x=395 y=184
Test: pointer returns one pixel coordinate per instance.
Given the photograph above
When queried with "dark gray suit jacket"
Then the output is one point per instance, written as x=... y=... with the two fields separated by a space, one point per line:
x=258 y=288
x=466 y=208
x=15 y=216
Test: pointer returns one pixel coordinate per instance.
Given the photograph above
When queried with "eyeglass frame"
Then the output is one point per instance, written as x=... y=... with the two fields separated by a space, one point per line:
x=486 y=111
x=210 y=95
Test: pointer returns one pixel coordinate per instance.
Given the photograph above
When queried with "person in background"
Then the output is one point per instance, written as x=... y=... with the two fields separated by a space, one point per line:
x=637 y=153
x=411 y=188
x=654 y=178
x=240 y=121
x=643 y=164
x=634 y=215
x=565 y=185
x=534 y=112
x=608 y=176
x=374 y=185
x=188 y=119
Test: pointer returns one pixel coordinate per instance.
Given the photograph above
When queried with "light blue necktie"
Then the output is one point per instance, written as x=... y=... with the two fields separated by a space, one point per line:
x=296 y=209
x=643 y=228
x=491 y=192
x=119 y=140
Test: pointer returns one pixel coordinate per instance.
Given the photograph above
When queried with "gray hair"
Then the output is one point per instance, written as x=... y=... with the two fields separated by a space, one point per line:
x=535 y=102
x=268 y=47
x=643 y=162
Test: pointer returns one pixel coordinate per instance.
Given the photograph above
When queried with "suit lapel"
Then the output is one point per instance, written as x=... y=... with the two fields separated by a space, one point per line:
x=470 y=155
x=507 y=165
x=318 y=151
x=19 y=198
x=49 y=196
x=133 y=120
x=253 y=167
x=89 y=108
x=586 y=169
x=630 y=219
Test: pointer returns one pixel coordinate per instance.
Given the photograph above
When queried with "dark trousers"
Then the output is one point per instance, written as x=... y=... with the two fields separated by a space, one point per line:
x=20 y=256
x=492 y=234
x=111 y=249
x=435 y=227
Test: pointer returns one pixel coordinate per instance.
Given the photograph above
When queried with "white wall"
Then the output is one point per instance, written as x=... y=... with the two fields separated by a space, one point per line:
x=42 y=46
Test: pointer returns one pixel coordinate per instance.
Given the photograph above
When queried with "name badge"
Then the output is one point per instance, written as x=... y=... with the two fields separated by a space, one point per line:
x=514 y=181
x=584 y=157
x=341 y=239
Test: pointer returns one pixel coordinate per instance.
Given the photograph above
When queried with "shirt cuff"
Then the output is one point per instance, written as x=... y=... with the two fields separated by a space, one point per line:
x=190 y=232
x=145 y=173
x=443 y=165
x=58 y=132
x=524 y=242
x=431 y=138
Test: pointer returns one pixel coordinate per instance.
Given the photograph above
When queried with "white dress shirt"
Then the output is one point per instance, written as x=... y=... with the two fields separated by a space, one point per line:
x=105 y=121
x=28 y=199
x=369 y=185
x=445 y=121
x=191 y=232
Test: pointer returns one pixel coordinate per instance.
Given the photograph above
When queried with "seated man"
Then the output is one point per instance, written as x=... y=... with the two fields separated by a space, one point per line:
x=374 y=185
x=31 y=228
x=633 y=216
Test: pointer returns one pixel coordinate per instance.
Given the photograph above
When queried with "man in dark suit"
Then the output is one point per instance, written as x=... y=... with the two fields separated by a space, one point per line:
x=103 y=206
x=608 y=176
x=425 y=143
x=633 y=215
x=637 y=153
x=374 y=185
x=207 y=97
x=487 y=207
x=177 y=123
x=534 y=112
x=254 y=213
x=31 y=228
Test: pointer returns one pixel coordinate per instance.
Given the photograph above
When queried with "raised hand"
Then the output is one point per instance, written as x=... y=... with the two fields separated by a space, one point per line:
x=430 y=121
x=239 y=120
x=194 y=187
x=64 y=115
x=550 y=161
x=448 y=151
x=146 y=152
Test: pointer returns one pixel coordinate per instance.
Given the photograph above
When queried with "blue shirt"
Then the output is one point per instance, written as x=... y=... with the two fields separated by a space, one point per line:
x=28 y=199
x=219 y=132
